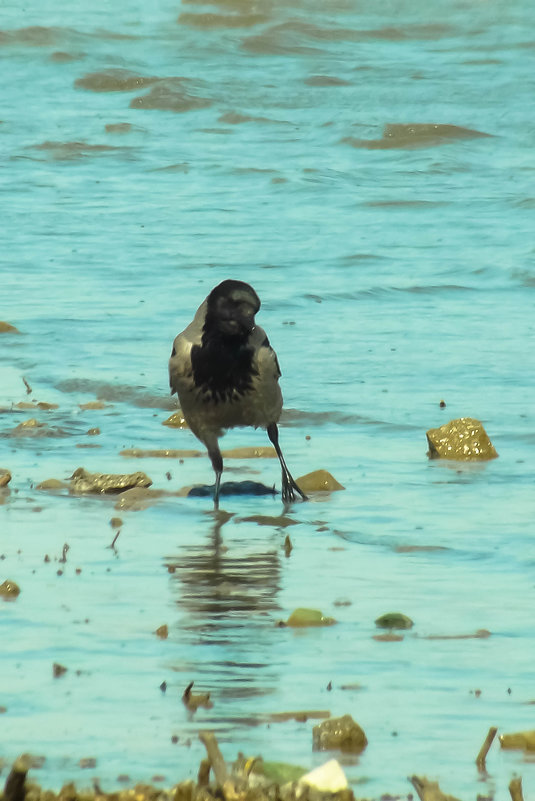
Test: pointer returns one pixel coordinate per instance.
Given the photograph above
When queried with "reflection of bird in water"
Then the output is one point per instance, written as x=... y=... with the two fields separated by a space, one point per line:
x=226 y=375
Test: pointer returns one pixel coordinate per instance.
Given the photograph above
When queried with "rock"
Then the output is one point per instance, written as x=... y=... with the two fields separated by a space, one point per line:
x=176 y=420
x=9 y=590
x=5 y=477
x=522 y=740
x=309 y=617
x=167 y=453
x=58 y=670
x=464 y=440
x=231 y=488
x=328 y=777
x=110 y=483
x=138 y=498
x=162 y=631
x=52 y=484
x=318 y=481
x=339 y=733
x=7 y=328
x=262 y=452
x=394 y=620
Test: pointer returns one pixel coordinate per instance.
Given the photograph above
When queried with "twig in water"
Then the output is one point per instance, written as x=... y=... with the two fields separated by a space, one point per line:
x=215 y=756
x=29 y=390
x=64 y=553
x=112 y=546
x=515 y=788
x=481 y=757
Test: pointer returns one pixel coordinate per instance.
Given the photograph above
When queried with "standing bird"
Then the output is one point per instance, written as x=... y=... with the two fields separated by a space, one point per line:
x=226 y=375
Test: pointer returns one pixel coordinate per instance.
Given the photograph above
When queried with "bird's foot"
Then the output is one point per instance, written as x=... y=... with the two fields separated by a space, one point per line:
x=288 y=487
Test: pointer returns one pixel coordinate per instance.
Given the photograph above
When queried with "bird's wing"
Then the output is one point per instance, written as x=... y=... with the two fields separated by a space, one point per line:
x=180 y=361
x=264 y=353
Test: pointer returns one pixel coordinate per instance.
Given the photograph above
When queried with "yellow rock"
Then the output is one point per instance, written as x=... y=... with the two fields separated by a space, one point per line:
x=9 y=590
x=176 y=420
x=522 y=740
x=263 y=452
x=318 y=481
x=7 y=328
x=309 y=617
x=464 y=439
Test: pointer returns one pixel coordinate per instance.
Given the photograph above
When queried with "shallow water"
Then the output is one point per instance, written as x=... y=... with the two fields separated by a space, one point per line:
x=369 y=169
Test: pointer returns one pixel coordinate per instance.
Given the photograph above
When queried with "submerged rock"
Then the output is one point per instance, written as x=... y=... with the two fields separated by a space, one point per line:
x=232 y=488
x=464 y=439
x=52 y=484
x=318 y=481
x=138 y=498
x=110 y=483
x=339 y=733
x=412 y=135
x=309 y=617
x=7 y=328
x=394 y=620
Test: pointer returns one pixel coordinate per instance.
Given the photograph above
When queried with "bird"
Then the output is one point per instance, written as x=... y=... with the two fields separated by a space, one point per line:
x=226 y=375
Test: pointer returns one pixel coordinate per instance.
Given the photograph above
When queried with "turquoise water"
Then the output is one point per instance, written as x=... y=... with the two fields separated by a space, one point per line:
x=395 y=268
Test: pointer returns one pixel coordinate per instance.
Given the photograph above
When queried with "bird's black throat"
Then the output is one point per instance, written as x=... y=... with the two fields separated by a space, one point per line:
x=222 y=368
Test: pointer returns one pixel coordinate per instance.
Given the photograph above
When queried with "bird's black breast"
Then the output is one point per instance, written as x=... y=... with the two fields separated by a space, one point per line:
x=222 y=372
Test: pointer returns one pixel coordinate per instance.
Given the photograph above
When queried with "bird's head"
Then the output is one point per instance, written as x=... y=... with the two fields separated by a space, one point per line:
x=230 y=310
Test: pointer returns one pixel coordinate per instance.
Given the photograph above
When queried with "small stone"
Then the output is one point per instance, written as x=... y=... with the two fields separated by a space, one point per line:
x=309 y=617
x=394 y=620
x=93 y=432
x=9 y=590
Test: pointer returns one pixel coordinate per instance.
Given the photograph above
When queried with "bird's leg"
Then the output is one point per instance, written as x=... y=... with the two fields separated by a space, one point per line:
x=288 y=482
x=217 y=463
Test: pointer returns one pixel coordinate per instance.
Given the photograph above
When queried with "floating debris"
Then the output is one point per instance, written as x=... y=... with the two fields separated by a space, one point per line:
x=428 y=790
x=58 y=670
x=464 y=439
x=194 y=701
x=162 y=631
